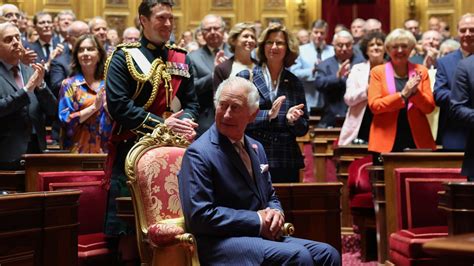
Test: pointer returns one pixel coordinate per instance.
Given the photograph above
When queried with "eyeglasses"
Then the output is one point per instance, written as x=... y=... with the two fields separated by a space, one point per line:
x=12 y=14
x=464 y=30
x=209 y=29
x=277 y=43
x=341 y=45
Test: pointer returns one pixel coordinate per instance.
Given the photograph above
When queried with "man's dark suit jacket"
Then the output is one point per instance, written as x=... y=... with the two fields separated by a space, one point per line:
x=36 y=46
x=60 y=70
x=202 y=63
x=462 y=108
x=20 y=112
x=333 y=89
x=220 y=199
x=451 y=134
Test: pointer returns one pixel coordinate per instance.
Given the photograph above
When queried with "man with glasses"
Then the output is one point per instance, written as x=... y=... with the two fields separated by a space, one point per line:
x=25 y=100
x=10 y=13
x=130 y=34
x=203 y=62
x=452 y=134
x=331 y=78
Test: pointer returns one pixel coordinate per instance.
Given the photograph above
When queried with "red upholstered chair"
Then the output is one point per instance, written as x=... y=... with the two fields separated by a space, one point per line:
x=152 y=166
x=362 y=206
x=418 y=215
x=92 y=246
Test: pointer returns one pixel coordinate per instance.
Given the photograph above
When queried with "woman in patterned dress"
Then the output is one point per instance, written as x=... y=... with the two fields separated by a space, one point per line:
x=82 y=106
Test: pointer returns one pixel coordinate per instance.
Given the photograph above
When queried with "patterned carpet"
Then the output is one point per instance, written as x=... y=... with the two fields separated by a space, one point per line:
x=351 y=251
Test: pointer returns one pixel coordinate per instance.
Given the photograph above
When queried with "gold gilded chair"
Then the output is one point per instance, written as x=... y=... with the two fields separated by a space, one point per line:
x=152 y=166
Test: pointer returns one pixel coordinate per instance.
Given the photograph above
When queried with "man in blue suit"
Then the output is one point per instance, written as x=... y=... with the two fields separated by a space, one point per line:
x=331 y=78
x=60 y=66
x=311 y=54
x=451 y=133
x=226 y=193
x=462 y=109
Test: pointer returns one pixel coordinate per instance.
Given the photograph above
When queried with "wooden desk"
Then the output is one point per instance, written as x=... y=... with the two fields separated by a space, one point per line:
x=12 y=180
x=51 y=162
x=344 y=156
x=39 y=228
x=314 y=210
x=407 y=160
x=458 y=202
x=323 y=149
x=456 y=250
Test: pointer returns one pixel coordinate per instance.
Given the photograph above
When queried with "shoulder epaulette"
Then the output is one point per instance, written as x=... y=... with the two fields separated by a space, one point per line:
x=176 y=48
x=129 y=45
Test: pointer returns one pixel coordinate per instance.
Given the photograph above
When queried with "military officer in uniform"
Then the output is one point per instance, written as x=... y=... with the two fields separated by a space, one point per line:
x=147 y=82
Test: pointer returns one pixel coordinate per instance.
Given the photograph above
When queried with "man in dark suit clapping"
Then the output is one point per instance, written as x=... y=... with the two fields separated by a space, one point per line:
x=24 y=101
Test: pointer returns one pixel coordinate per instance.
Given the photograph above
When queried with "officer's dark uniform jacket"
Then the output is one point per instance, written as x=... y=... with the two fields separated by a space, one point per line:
x=134 y=111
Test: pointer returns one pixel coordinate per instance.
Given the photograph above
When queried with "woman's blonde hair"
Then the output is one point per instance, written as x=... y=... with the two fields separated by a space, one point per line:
x=235 y=32
x=398 y=35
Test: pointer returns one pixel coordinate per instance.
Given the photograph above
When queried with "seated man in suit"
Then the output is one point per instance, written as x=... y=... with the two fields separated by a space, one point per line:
x=226 y=193
x=24 y=101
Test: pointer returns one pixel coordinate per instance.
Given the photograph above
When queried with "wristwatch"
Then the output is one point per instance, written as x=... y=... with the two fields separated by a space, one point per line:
x=42 y=86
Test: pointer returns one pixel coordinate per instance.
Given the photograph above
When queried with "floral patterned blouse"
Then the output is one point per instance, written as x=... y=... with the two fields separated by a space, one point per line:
x=91 y=135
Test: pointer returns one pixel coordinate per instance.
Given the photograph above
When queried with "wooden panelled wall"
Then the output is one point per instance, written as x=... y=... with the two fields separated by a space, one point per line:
x=295 y=13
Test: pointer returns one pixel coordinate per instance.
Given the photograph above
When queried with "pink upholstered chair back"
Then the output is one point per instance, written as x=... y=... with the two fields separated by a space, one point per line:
x=156 y=173
x=93 y=199
x=417 y=195
x=358 y=180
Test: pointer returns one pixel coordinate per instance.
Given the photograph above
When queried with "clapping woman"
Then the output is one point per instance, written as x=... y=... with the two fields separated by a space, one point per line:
x=400 y=97
x=356 y=126
x=282 y=116
x=242 y=42
x=82 y=106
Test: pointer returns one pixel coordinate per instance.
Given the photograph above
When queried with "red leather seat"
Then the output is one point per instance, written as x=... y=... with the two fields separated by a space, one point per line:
x=92 y=244
x=418 y=215
x=362 y=206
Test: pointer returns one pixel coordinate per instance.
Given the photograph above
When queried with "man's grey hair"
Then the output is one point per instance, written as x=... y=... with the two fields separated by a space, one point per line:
x=66 y=12
x=426 y=34
x=342 y=34
x=358 y=20
x=129 y=30
x=94 y=21
x=2 y=7
x=212 y=16
x=463 y=17
x=6 y=25
x=75 y=25
x=238 y=82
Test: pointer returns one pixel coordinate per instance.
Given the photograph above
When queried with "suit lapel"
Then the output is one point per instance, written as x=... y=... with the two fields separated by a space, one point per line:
x=259 y=82
x=208 y=58
x=227 y=148
x=8 y=77
x=257 y=172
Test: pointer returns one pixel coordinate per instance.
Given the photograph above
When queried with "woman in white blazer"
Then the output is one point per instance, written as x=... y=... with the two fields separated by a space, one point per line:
x=356 y=126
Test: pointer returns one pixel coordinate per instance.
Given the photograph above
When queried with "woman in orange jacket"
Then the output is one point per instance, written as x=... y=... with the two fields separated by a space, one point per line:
x=400 y=96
